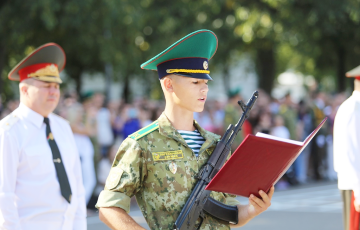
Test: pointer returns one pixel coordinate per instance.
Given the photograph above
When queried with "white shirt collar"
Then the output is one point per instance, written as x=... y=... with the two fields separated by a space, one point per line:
x=30 y=115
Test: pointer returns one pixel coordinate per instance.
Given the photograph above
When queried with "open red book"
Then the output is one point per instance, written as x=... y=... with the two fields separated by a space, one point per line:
x=257 y=164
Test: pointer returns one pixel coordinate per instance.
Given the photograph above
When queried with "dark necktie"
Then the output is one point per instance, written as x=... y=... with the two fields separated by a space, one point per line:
x=59 y=166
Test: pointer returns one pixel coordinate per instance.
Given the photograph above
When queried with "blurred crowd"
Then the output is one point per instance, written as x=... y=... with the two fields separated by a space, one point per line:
x=99 y=127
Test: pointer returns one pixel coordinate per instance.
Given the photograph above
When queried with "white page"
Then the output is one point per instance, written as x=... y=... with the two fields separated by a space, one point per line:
x=279 y=139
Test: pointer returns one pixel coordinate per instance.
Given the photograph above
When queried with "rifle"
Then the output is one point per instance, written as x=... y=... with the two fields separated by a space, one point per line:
x=200 y=201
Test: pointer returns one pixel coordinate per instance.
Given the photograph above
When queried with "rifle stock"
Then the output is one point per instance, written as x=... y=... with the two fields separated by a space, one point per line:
x=200 y=201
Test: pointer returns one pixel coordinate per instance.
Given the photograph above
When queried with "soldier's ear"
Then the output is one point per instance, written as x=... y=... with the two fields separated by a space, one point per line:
x=168 y=84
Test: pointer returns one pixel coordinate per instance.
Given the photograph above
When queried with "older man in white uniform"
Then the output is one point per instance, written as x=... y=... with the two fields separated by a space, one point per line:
x=40 y=174
x=347 y=153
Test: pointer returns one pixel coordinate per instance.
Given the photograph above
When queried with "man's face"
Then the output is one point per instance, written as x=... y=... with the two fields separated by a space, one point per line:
x=43 y=96
x=190 y=93
x=98 y=100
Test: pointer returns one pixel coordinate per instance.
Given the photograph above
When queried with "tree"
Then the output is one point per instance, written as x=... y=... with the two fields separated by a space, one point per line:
x=314 y=37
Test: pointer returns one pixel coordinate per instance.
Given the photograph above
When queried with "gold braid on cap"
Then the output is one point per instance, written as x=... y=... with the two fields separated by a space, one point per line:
x=187 y=71
x=49 y=70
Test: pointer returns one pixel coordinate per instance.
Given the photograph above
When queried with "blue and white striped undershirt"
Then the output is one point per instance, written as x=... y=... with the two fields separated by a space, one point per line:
x=193 y=139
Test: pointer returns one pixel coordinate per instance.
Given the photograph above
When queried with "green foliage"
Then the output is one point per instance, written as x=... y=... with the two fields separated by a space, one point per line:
x=319 y=38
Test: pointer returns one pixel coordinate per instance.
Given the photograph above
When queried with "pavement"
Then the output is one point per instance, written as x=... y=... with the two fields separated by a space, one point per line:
x=313 y=206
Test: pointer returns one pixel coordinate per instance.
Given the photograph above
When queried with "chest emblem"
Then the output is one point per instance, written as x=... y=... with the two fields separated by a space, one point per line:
x=170 y=155
x=173 y=167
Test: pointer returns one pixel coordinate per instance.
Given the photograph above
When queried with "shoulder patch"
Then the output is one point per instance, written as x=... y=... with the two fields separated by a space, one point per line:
x=7 y=122
x=145 y=131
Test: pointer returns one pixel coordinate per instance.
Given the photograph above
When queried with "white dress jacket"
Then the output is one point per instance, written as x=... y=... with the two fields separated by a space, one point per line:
x=347 y=144
x=30 y=196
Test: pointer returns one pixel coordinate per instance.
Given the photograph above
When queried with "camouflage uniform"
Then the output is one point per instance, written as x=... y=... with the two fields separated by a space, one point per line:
x=290 y=119
x=141 y=168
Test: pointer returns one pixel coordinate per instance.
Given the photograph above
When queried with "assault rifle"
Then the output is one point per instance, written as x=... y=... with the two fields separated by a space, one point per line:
x=200 y=201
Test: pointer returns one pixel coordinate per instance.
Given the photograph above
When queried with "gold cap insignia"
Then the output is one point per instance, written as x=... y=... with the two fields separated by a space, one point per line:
x=206 y=65
x=49 y=70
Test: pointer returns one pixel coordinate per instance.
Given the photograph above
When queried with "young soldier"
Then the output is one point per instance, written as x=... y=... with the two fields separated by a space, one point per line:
x=159 y=163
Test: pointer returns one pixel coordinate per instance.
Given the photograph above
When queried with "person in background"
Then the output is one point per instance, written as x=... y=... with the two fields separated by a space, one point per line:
x=132 y=122
x=318 y=145
x=41 y=183
x=144 y=117
x=118 y=120
x=279 y=130
x=103 y=118
x=265 y=123
x=219 y=116
x=304 y=128
x=84 y=126
x=10 y=107
x=347 y=153
x=104 y=166
x=287 y=110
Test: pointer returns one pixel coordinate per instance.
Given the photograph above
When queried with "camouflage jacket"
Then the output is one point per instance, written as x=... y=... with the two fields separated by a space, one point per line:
x=156 y=165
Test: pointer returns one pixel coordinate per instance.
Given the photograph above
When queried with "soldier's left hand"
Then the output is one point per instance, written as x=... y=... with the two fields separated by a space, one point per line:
x=257 y=205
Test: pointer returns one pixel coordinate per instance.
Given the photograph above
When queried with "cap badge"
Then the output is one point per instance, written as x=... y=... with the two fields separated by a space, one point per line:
x=205 y=65
x=48 y=70
x=53 y=68
x=173 y=167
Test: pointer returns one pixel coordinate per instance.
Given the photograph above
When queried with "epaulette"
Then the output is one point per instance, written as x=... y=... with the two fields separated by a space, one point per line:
x=145 y=131
x=7 y=122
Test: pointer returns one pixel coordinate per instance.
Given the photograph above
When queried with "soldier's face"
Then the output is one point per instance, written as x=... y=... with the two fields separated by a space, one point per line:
x=190 y=93
x=43 y=96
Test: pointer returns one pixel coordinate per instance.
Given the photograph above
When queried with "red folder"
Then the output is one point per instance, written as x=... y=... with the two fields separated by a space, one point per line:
x=257 y=164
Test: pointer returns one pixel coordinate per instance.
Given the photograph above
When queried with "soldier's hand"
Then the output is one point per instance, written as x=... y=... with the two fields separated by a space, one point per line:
x=357 y=205
x=254 y=208
x=258 y=205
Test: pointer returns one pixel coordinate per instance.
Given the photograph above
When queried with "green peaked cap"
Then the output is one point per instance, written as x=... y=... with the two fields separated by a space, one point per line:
x=199 y=44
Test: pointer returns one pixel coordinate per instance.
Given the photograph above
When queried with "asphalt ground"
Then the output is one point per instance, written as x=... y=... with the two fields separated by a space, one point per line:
x=313 y=206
